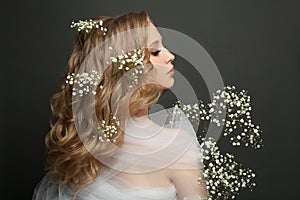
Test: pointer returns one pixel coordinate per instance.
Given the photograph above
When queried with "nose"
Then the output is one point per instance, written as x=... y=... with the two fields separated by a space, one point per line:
x=169 y=56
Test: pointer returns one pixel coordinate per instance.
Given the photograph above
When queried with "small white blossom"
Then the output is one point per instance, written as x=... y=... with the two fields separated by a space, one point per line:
x=83 y=83
x=88 y=25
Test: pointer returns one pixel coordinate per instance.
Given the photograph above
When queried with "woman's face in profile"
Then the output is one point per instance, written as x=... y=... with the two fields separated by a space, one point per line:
x=160 y=58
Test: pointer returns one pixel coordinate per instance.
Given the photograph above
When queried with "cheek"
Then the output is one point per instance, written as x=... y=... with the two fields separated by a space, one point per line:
x=152 y=60
x=161 y=77
x=155 y=60
x=159 y=73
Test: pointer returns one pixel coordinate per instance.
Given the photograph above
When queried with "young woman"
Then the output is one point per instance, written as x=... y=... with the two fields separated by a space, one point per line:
x=103 y=143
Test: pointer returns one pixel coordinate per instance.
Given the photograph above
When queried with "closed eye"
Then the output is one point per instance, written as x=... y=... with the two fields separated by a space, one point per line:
x=155 y=53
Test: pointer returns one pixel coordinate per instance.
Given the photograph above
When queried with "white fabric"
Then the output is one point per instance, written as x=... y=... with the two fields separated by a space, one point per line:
x=168 y=143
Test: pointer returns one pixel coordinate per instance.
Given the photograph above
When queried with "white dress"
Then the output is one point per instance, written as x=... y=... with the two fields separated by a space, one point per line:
x=169 y=142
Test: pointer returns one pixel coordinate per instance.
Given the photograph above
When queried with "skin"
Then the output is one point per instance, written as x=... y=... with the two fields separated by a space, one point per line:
x=161 y=59
x=185 y=181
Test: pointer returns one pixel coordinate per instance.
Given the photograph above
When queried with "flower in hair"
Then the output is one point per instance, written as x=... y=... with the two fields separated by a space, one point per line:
x=127 y=61
x=88 y=25
x=84 y=83
x=106 y=130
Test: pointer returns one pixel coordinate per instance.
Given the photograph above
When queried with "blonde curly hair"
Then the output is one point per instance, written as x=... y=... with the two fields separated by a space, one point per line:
x=68 y=159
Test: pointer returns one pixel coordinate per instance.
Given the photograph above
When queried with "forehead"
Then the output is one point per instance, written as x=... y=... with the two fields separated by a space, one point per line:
x=153 y=35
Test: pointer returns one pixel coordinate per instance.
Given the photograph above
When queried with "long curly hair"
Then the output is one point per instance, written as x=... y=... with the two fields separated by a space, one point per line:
x=68 y=159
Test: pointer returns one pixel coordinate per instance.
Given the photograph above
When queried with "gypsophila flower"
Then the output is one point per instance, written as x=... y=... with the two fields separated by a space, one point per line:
x=224 y=177
x=88 y=25
x=127 y=61
x=237 y=107
x=107 y=130
x=83 y=83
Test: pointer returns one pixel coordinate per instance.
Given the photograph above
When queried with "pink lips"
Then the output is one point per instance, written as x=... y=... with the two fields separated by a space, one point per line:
x=171 y=72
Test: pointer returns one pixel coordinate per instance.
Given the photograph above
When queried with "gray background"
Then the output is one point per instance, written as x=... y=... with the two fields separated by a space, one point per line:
x=255 y=45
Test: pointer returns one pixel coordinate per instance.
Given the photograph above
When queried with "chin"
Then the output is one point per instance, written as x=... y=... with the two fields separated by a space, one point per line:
x=168 y=84
x=172 y=82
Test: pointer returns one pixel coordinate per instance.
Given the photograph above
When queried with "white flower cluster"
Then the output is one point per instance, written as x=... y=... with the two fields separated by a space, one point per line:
x=238 y=116
x=88 y=25
x=224 y=177
x=127 y=61
x=107 y=130
x=83 y=83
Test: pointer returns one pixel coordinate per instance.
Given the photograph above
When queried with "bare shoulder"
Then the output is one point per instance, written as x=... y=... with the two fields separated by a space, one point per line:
x=187 y=182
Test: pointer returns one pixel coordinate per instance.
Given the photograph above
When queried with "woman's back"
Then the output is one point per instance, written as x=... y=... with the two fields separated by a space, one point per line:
x=146 y=166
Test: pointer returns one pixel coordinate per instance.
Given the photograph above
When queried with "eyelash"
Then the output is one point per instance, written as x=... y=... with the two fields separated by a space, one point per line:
x=155 y=53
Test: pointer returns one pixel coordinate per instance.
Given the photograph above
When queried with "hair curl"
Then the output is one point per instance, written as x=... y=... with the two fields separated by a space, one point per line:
x=68 y=160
